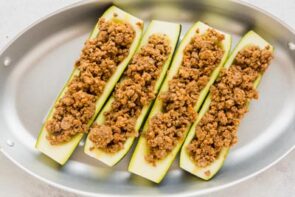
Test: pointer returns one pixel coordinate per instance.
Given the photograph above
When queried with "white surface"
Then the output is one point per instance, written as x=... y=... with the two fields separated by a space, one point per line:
x=18 y=14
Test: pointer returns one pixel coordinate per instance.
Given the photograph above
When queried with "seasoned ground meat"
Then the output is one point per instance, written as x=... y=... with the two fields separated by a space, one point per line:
x=134 y=92
x=200 y=58
x=230 y=95
x=97 y=63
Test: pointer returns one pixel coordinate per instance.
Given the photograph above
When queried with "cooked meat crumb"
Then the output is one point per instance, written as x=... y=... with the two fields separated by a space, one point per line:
x=207 y=173
x=140 y=24
x=97 y=63
x=201 y=56
x=230 y=95
x=134 y=92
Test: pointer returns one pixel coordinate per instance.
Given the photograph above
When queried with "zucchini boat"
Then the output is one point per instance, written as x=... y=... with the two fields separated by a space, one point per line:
x=140 y=163
x=159 y=35
x=207 y=171
x=99 y=52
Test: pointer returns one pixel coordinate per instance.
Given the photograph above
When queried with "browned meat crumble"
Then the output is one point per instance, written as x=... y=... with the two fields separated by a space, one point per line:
x=230 y=95
x=97 y=63
x=134 y=92
x=201 y=56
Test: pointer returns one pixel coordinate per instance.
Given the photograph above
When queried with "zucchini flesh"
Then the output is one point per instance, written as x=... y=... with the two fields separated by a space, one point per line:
x=186 y=163
x=138 y=165
x=62 y=152
x=172 y=30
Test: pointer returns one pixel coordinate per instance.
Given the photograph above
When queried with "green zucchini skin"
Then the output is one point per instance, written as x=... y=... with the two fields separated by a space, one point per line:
x=138 y=165
x=172 y=30
x=62 y=152
x=185 y=162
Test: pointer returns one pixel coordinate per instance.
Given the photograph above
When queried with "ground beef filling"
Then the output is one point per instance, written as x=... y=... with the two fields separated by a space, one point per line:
x=97 y=63
x=230 y=95
x=200 y=58
x=134 y=92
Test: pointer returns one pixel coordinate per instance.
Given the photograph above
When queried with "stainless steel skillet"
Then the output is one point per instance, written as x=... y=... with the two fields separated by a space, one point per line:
x=36 y=64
